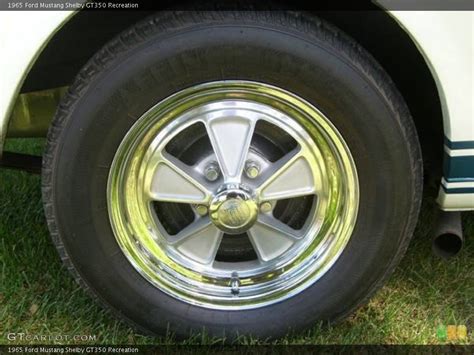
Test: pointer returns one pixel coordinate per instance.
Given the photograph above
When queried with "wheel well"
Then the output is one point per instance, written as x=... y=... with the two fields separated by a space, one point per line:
x=393 y=48
x=376 y=31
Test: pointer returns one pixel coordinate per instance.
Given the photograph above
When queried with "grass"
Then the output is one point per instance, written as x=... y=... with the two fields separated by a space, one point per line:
x=38 y=296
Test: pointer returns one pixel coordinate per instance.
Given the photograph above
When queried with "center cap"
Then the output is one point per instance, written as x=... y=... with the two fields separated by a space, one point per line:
x=233 y=211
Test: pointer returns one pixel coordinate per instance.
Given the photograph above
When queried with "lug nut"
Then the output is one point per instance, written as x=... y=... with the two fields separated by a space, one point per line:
x=212 y=171
x=252 y=169
x=265 y=207
x=201 y=210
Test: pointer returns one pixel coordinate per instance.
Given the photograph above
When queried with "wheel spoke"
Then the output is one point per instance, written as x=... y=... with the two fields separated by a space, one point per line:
x=173 y=181
x=199 y=241
x=290 y=177
x=230 y=138
x=271 y=237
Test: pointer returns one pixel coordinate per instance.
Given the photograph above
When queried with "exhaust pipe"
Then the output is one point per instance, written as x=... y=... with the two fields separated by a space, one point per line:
x=448 y=239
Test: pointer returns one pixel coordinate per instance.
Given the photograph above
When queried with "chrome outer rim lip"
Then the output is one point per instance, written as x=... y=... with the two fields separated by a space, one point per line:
x=321 y=241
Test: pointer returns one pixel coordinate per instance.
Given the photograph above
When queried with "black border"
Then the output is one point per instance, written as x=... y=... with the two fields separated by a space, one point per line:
x=307 y=5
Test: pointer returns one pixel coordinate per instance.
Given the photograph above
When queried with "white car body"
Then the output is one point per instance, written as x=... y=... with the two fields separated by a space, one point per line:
x=445 y=39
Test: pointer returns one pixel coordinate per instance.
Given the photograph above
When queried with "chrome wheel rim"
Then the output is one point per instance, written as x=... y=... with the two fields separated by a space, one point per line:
x=208 y=153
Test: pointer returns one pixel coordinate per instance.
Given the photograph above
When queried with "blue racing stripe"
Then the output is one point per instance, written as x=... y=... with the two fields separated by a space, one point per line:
x=459 y=168
x=458 y=190
x=458 y=144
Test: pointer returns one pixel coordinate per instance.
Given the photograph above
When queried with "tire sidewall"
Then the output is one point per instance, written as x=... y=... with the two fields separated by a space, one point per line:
x=350 y=90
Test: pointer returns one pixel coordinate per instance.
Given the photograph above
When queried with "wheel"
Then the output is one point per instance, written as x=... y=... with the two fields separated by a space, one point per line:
x=233 y=172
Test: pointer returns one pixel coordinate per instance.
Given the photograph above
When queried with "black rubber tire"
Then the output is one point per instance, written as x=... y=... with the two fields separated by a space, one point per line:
x=172 y=51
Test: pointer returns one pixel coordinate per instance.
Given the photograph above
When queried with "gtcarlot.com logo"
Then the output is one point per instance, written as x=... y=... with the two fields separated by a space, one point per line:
x=54 y=338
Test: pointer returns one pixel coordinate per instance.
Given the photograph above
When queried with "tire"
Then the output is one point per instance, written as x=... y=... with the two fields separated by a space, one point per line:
x=171 y=52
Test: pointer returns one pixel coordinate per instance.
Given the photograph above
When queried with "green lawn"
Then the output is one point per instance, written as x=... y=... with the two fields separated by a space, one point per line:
x=38 y=296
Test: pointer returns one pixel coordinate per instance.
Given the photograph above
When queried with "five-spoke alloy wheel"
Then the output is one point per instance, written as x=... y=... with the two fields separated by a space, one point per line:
x=270 y=150
x=232 y=173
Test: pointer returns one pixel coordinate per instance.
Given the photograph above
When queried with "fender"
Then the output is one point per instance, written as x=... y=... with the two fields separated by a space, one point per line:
x=444 y=38
x=23 y=46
